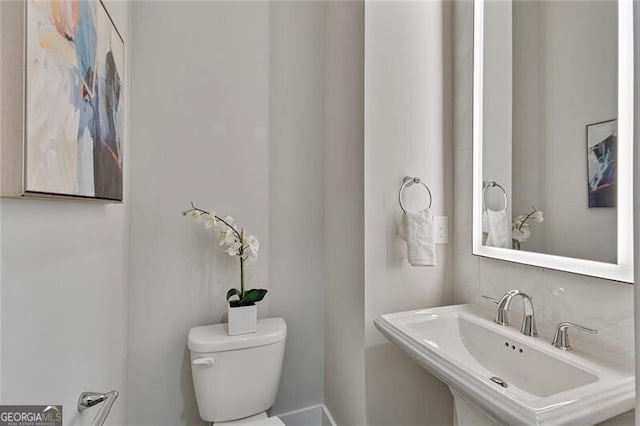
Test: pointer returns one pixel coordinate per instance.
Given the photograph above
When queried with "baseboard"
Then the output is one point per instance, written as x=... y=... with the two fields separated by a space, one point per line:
x=314 y=415
x=327 y=415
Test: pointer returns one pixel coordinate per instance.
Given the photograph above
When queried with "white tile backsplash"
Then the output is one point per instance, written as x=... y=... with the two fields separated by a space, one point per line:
x=498 y=277
x=467 y=271
x=603 y=305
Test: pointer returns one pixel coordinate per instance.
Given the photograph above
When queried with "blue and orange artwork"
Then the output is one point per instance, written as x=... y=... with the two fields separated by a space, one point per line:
x=602 y=170
x=75 y=100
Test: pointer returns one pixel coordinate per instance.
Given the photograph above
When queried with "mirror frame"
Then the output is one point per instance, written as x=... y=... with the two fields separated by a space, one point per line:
x=623 y=270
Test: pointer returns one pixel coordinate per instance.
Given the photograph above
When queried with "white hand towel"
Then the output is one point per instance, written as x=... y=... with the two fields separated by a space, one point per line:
x=418 y=231
x=485 y=221
x=499 y=234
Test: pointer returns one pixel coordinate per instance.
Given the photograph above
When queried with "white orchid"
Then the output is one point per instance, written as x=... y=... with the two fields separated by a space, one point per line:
x=235 y=243
x=537 y=216
x=227 y=236
x=193 y=215
x=252 y=242
x=251 y=258
x=251 y=248
x=521 y=230
x=233 y=249
x=209 y=219
x=229 y=221
x=521 y=233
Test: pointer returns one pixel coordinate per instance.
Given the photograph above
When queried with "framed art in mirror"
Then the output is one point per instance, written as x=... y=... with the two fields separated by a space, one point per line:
x=602 y=143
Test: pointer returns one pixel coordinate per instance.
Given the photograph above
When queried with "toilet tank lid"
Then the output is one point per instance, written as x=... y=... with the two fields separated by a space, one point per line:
x=214 y=338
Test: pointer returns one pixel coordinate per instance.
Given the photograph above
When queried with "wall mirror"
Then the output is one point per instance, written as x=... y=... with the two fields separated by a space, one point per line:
x=553 y=135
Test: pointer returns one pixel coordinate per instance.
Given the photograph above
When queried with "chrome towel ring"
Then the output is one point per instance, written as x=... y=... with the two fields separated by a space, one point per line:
x=493 y=184
x=408 y=181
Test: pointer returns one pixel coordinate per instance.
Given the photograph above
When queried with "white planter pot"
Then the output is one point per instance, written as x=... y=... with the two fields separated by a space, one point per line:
x=242 y=320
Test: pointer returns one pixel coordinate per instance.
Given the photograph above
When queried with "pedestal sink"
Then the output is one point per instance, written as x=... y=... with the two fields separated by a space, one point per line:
x=499 y=376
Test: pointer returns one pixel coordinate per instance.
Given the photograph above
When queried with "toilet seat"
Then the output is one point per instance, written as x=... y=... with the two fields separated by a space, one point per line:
x=257 y=420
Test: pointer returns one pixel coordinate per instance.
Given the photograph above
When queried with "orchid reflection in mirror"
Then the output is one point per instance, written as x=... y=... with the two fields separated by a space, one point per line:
x=521 y=228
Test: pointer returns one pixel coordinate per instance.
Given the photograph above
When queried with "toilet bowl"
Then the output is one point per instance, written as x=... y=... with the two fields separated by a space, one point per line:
x=236 y=378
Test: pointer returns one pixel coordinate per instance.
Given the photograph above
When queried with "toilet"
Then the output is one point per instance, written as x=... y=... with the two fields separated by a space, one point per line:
x=236 y=378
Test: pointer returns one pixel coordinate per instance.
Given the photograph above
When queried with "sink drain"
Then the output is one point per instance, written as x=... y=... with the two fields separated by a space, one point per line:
x=498 y=381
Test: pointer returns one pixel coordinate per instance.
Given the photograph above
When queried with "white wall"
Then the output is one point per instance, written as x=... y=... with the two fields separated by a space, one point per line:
x=561 y=91
x=601 y=304
x=2 y=124
x=404 y=135
x=232 y=118
x=636 y=204
x=527 y=157
x=200 y=102
x=344 y=391
x=64 y=289
x=497 y=96
x=296 y=175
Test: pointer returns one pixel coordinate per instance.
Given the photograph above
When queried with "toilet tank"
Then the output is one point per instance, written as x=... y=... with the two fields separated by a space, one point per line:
x=236 y=376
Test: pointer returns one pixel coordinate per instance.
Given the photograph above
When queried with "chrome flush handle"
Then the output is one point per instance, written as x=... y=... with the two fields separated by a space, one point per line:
x=561 y=337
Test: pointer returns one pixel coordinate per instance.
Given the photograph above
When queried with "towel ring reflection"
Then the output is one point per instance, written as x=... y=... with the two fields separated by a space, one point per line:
x=493 y=184
x=408 y=181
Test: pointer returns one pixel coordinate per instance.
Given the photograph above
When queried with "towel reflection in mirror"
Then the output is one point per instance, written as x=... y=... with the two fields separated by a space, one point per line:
x=495 y=223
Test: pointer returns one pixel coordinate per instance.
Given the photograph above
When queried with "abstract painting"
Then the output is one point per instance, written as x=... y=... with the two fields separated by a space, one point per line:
x=602 y=144
x=74 y=100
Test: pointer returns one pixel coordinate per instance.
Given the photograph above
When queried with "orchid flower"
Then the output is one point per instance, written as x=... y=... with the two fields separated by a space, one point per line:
x=235 y=243
x=520 y=229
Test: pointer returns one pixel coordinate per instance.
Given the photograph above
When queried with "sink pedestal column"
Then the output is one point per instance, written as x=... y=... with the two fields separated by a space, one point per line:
x=466 y=413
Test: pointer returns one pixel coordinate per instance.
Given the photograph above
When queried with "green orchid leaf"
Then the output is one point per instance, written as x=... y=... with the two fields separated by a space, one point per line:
x=233 y=292
x=252 y=296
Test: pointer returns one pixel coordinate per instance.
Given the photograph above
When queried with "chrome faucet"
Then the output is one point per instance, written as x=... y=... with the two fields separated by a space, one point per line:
x=561 y=337
x=89 y=399
x=528 y=323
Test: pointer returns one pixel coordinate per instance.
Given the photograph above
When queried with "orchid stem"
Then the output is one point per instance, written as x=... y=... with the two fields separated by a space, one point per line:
x=242 y=264
x=217 y=218
x=527 y=217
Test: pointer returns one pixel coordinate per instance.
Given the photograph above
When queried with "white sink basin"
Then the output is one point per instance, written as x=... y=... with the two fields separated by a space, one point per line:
x=544 y=385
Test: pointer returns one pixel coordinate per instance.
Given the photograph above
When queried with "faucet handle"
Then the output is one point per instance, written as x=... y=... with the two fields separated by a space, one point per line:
x=561 y=337
x=491 y=299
